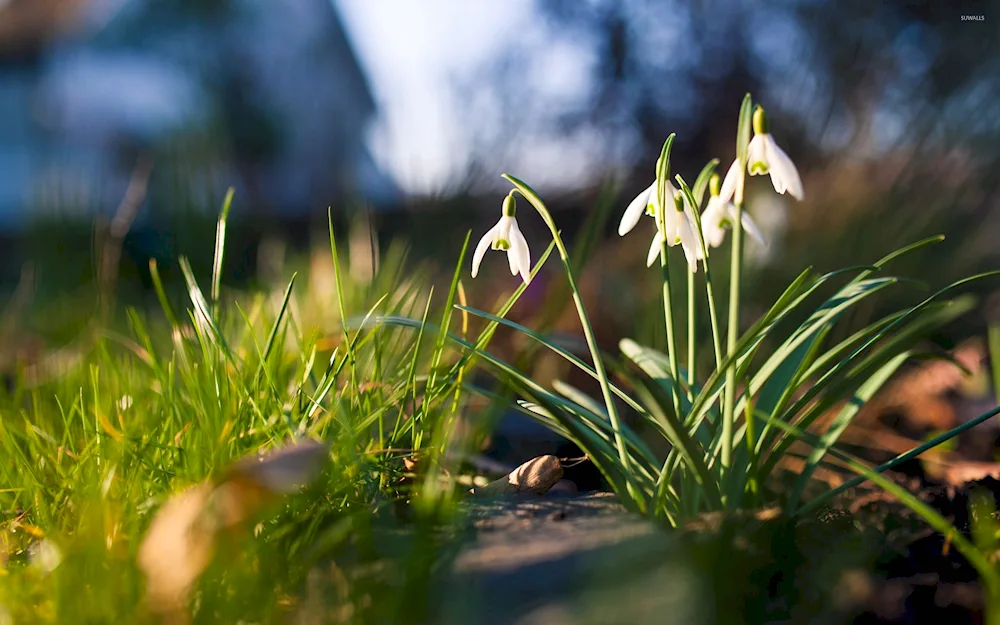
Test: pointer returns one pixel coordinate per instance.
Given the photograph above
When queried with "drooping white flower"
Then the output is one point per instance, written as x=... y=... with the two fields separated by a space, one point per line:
x=765 y=157
x=679 y=228
x=506 y=236
x=720 y=214
x=644 y=203
x=734 y=177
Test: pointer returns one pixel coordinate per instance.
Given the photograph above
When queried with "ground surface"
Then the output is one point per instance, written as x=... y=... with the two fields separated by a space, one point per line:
x=584 y=559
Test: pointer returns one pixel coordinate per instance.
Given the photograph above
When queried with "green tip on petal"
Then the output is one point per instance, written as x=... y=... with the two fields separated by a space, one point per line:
x=759 y=120
x=758 y=168
x=501 y=244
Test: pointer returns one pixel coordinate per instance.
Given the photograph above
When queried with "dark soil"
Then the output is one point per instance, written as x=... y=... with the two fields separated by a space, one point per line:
x=584 y=559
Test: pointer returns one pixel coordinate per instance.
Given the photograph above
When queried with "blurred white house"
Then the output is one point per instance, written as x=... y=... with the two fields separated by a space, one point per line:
x=265 y=96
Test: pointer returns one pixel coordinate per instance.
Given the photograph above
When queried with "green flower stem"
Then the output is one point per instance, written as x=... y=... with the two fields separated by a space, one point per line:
x=665 y=201
x=692 y=339
x=588 y=330
x=732 y=333
x=713 y=316
x=668 y=319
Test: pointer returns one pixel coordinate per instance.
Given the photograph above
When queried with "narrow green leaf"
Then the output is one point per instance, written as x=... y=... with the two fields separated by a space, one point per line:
x=743 y=129
x=275 y=327
x=663 y=176
x=161 y=294
x=204 y=321
x=446 y=318
x=554 y=347
x=701 y=182
x=889 y=465
x=220 y=245
x=840 y=423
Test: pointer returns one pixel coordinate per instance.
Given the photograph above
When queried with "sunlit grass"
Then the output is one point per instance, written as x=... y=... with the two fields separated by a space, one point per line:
x=88 y=456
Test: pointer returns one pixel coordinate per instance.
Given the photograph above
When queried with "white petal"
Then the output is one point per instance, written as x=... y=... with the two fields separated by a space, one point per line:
x=512 y=258
x=711 y=222
x=672 y=226
x=481 y=247
x=654 y=250
x=731 y=181
x=654 y=197
x=635 y=210
x=672 y=191
x=689 y=243
x=751 y=228
x=503 y=228
x=696 y=242
x=713 y=209
x=522 y=253
x=783 y=171
x=757 y=154
x=715 y=237
x=776 y=179
x=714 y=233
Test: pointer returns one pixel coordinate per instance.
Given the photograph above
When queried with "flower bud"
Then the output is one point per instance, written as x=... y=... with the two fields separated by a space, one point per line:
x=713 y=185
x=509 y=205
x=759 y=121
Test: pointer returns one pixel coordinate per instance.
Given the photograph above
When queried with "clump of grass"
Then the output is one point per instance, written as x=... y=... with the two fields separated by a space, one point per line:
x=87 y=457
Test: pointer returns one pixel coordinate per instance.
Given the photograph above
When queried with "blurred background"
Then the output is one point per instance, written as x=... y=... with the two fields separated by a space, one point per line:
x=127 y=120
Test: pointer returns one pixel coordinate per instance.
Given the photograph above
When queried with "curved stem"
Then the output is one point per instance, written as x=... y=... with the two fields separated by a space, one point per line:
x=588 y=330
x=732 y=334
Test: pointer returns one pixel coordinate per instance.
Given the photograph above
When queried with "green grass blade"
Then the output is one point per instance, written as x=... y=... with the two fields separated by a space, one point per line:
x=275 y=328
x=993 y=340
x=889 y=465
x=906 y=317
x=840 y=423
x=220 y=246
x=446 y=315
x=161 y=294
x=204 y=320
x=351 y=359
x=486 y=335
x=554 y=347
x=686 y=447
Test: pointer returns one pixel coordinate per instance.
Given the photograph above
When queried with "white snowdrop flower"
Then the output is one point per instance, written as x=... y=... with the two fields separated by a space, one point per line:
x=125 y=402
x=506 y=236
x=644 y=203
x=765 y=157
x=680 y=228
x=720 y=215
